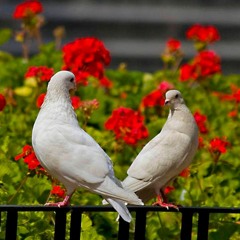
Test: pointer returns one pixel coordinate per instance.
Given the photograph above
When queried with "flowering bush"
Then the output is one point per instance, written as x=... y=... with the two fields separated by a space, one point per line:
x=122 y=110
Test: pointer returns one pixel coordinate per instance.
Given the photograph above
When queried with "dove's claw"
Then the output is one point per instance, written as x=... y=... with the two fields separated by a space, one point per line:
x=64 y=203
x=58 y=204
x=165 y=205
x=161 y=203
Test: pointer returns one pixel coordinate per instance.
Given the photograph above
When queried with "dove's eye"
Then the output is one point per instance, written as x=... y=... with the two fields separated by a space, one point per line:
x=177 y=96
x=72 y=80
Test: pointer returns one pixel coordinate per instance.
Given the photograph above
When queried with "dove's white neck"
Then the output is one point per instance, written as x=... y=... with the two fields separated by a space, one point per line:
x=58 y=105
x=57 y=95
x=178 y=107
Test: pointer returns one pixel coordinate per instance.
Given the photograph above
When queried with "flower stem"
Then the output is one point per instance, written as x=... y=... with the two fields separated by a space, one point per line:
x=19 y=188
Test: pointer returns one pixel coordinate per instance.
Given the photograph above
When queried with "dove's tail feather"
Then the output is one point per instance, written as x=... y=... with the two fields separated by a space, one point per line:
x=121 y=208
x=134 y=184
x=109 y=189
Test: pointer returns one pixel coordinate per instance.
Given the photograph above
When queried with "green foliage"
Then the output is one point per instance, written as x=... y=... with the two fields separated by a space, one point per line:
x=211 y=182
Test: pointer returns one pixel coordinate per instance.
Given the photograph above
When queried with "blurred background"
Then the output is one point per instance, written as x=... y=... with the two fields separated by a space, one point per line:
x=135 y=31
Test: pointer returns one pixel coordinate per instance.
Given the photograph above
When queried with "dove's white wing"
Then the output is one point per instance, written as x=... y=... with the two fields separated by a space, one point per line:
x=80 y=161
x=164 y=157
x=70 y=154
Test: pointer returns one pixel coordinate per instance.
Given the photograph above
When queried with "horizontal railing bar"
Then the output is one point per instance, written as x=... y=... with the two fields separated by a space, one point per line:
x=89 y=208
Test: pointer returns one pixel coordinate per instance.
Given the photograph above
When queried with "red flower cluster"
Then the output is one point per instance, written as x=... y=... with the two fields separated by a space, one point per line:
x=42 y=73
x=40 y=99
x=201 y=122
x=29 y=157
x=168 y=189
x=205 y=64
x=233 y=96
x=58 y=191
x=219 y=145
x=127 y=124
x=76 y=102
x=105 y=82
x=27 y=8
x=201 y=143
x=173 y=45
x=185 y=173
x=89 y=105
x=2 y=102
x=86 y=57
x=156 y=97
x=206 y=34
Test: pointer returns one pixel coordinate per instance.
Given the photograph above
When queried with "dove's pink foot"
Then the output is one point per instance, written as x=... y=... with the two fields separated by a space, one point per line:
x=161 y=203
x=64 y=203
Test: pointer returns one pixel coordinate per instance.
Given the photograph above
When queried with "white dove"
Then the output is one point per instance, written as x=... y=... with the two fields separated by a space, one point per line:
x=69 y=154
x=166 y=155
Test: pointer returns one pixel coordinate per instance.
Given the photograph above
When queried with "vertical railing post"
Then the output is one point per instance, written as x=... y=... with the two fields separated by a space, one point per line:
x=203 y=222
x=140 y=227
x=60 y=224
x=186 y=229
x=11 y=225
x=123 y=231
x=75 y=227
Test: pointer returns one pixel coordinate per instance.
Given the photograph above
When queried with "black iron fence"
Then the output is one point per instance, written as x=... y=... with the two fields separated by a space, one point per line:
x=76 y=212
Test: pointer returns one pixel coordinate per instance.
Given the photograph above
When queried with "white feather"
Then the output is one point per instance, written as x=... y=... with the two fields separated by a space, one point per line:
x=69 y=153
x=167 y=154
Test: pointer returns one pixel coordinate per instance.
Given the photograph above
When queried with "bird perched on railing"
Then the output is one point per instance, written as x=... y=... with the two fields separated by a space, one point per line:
x=69 y=154
x=166 y=155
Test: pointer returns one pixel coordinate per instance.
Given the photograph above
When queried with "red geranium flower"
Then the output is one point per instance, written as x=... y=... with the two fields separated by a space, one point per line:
x=76 y=102
x=29 y=157
x=201 y=142
x=233 y=114
x=127 y=124
x=27 y=8
x=173 y=45
x=156 y=97
x=86 y=57
x=219 y=145
x=40 y=99
x=206 y=34
x=168 y=189
x=165 y=86
x=201 y=122
x=205 y=64
x=105 y=82
x=89 y=105
x=187 y=71
x=2 y=102
x=185 y=173
x=58 y=191
x=233 y=96
x=41 y=72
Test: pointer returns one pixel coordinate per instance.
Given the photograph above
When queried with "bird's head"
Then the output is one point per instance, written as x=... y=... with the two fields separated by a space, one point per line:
x=173 y=98
x=62 y=80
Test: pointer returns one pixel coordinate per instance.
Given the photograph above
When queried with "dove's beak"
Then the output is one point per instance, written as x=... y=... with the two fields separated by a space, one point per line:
x=72 y=91
x=167 y=102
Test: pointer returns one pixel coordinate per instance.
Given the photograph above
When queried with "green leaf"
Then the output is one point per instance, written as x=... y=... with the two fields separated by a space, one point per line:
x=5 y=35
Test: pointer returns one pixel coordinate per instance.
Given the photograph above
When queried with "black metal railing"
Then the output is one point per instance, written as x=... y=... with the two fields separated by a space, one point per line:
x=187 y=213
